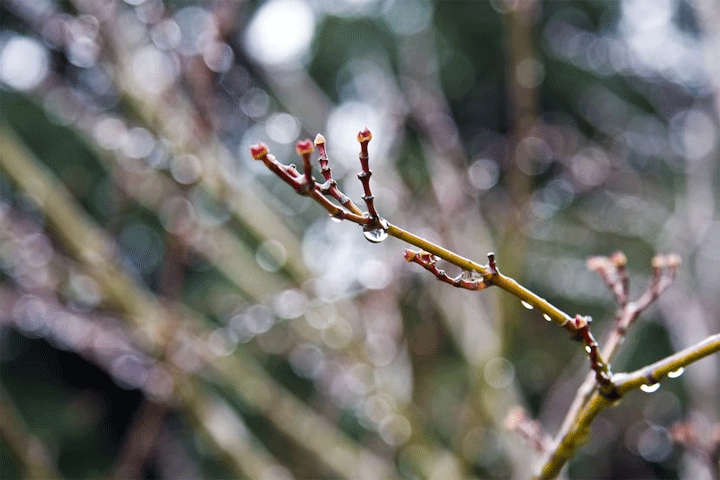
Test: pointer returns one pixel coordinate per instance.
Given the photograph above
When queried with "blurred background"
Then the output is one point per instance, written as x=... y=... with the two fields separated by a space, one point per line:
x=171 y=309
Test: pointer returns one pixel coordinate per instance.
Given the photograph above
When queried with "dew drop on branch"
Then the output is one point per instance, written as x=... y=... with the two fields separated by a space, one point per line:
x=375 y=236
x=650 y=388
x=526 y=305
x=676 y=373
x=547 y=317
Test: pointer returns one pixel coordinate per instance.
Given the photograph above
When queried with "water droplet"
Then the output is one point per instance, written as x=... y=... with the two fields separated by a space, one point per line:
x=676 y=373
x=650 y=388
x=335 y=219
x=375 y=236
x=526 y=305
x=588 y=349
x=547 y=317
x=271 y=256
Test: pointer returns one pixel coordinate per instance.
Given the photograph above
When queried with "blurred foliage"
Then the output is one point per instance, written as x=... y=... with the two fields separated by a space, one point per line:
x=194 y=318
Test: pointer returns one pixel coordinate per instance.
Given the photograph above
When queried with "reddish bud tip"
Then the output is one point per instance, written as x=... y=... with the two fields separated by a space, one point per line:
x=659 y=261
x=619 y=259
x=259 y=151
x=364 y=136
x=319 y=139
x=673 y=260
x=579 y=322
x=409 y=255
x=514 y=418
x=304 y=147
x=597 y=264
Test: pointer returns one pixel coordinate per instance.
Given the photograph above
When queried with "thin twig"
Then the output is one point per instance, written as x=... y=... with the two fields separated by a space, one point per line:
x=517 y=420
x=33 y=456
x=330 y=186
x=364 y=138
x=429 y=261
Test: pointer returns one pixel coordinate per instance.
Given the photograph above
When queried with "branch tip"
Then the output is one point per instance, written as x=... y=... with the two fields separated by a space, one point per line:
x=304 y=147
x=409 y=255
x=364 y=136
x=618 y=259
x=672 y=261
x=579 y=322
x=259 y=151
x=319 y=140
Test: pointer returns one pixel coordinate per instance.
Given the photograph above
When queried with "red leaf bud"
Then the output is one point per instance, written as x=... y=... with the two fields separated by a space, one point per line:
x=364 y=136
x=304 y=147
x=259 y=151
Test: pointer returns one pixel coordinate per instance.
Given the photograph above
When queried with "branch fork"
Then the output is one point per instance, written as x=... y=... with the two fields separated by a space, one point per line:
x=467 y=279
x=428 y=261
x=305 y=184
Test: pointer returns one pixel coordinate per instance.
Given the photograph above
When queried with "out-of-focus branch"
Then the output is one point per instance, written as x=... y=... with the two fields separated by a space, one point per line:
x=170 y=114
x=239 y=372
x=522 y=89
x=85 y=240
x=664 y=268
x=158 y=192
x=140 y=440
x=517 y=420
x=246 y=455
x=703 y=442
x=31 y=454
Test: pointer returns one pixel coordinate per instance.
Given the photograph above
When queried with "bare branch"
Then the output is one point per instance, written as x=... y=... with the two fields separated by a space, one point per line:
x=518 y=421
x=428 y=262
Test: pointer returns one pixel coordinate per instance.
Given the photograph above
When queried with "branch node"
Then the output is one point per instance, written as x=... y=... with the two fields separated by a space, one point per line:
x=491 y=263
x=580 y=329
x=304 y=148
x=466 y=279
x=517 y=421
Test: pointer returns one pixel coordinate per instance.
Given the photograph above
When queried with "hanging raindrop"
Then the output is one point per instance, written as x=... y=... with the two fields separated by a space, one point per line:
x=676 y=373
x=649 y=388
x=547 y=317
x=377 y=232
x=526 y=305
x=335 y=219
x=375 y=236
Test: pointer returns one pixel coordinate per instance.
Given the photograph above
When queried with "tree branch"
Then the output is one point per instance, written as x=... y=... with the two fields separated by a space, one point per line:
x=649 y=375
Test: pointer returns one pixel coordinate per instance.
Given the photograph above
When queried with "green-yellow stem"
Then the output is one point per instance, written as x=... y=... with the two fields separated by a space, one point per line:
x=506 y=283
x=624 y=383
